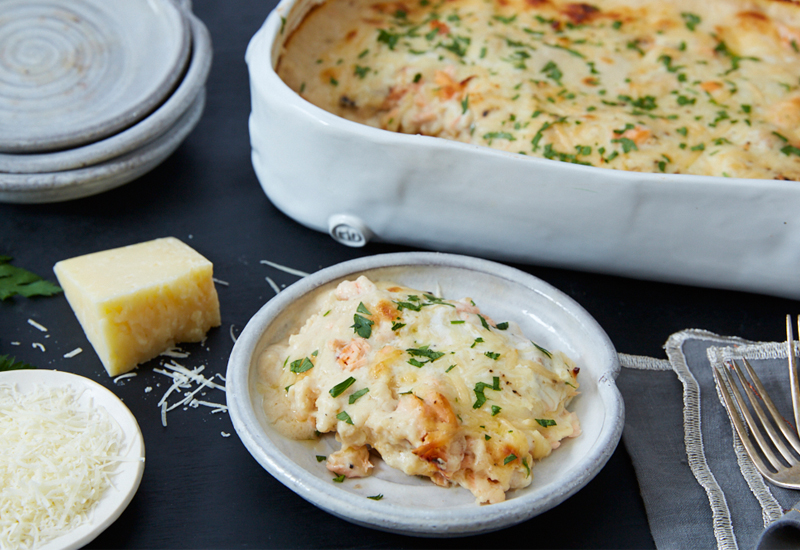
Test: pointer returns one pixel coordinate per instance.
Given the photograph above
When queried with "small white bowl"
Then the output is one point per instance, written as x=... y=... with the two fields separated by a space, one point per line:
x=125 y=481
x=410 y=505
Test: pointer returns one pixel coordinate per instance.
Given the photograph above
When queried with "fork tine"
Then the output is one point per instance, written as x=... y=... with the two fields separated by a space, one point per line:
x=776 y=417
x=793 y=385
x=738 y=425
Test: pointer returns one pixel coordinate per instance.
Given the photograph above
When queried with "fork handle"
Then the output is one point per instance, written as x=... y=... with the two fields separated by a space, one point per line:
x=783 y=533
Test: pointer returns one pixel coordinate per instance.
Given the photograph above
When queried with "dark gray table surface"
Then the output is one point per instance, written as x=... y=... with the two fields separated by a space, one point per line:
x=203 y=490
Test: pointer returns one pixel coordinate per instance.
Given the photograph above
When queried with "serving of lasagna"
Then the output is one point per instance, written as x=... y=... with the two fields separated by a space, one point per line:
x=706 y=88
x=434 y=386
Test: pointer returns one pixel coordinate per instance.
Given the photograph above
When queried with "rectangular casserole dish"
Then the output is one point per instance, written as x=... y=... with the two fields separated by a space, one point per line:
x=359 y=183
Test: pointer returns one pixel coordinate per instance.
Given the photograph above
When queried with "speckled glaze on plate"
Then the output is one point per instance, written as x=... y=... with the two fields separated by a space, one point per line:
x=137 y=135
x=129 y=472
x=75 y=71
x=83 y=182
x=411 y=505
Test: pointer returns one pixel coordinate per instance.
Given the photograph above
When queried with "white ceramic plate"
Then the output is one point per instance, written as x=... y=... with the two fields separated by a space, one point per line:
x=128 y=474
x=83 y=182
x=137 y=135
x=411 y=505
x=75 y=71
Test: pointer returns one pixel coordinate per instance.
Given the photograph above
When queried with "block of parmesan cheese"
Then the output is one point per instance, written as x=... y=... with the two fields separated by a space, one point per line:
x=137 y=301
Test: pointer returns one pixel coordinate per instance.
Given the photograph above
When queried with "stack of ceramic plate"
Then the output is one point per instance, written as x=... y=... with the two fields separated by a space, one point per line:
x=93 y=93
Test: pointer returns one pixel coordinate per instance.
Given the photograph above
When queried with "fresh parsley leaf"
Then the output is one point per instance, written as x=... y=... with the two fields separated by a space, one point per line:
x=362 y=309
x=355 y=396
x=552 y=72
x=451 y=367
x=483 y=322
x=465 y=104
x=527 y=468
x=425 y=352
x=339 y=479
x=321 y=458
x=495 y=410
x=362 y=326
x=546 y=422
x=492 y=355
x=502 y=326
x=691 y=20
x=510 y=458
x=457 y=322
x=301 y=365
x=540 y=348
x=10 y=363
x=376 y=497
x=398 y=326
x=790 y=150
x=344 y=417
x=15 y=280
x=339 y=388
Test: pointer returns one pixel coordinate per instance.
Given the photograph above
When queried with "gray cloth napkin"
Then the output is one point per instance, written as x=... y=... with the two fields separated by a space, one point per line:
x=698 y=486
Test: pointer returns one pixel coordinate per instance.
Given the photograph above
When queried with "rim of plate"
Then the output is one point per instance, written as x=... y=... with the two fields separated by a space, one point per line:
x=409 y=520
x=129 y=473
x=71 y=51
x=135 y=136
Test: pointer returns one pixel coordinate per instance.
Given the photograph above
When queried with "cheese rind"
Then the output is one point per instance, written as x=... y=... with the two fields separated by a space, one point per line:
x=136 y=301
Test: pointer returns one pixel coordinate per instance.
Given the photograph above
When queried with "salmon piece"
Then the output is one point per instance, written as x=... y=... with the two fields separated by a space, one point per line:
x=350 y=462
x=351 y=355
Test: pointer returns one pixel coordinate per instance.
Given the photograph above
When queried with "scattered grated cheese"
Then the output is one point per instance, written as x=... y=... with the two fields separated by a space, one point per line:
x=183 y=379
x=15 y=343
x=223 y=283
x=274 y=286
x=73 y=353
x=233 y=336
x=34 y=324
x=285 y=269
x=224 y=434
x=57 y=460
x=37 y=345
x=176 y=353
x=124 y=376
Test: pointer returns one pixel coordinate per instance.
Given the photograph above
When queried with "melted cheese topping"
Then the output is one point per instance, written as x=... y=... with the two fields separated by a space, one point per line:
x=708 y=88
x=437 y=388
x=56 y=462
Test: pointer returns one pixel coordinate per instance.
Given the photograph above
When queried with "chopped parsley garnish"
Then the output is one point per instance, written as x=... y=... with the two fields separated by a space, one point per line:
x=552 y=72
x=499 y=135
x=790 y=150
x=477 y=341
x=398 y=326
x=344 y=417
x=18 y=281
x=334 y=82
x=10 y=363
x=360 y=71
x=458 y=45
x=362 y=326
x=682 y=131
x=321 y=458
x=495 y=410
x=465 y=104
x=502 y=326
x=451 y=367
x=429 y=354
x=691 y=20
x=376 y=497
x=479 y=392
x=315 y=353
x=486 y=437
x=457 y=322
x=388 y=38
x=492 y=355
x=510 y=458
x=546 y=422
x=339 y=478
x=505 y=20
x=540 y=348
x=339 y=388
x=628 y=144
x=301 y=365
x=483 y=322
x=363 y=309
x=699 y=147
x=527 y=468
x=355 y=396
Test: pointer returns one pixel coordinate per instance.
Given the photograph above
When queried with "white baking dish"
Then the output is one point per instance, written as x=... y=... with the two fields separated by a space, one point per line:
x=359 y=182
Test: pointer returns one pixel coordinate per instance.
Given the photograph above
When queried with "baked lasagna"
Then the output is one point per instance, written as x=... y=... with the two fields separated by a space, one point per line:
x=435 y=387
x=707 y=88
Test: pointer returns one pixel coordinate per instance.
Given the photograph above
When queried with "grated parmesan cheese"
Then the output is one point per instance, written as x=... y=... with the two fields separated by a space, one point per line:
x=285 y=269
x=57 y=460
x=182 y=379
x=274 y=286
x=36 y=325
x=73 y=353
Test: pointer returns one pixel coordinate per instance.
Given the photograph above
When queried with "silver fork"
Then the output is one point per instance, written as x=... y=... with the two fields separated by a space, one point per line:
x=783 y=468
